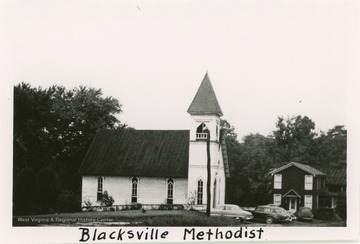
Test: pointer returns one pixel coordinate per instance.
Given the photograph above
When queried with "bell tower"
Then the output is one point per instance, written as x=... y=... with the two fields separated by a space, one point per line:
x=205 y=115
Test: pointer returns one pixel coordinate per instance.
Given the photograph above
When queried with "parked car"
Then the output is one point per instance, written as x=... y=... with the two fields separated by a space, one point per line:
x=304 y=213
x=230 y=210
x=292 y=215
x=270 y=214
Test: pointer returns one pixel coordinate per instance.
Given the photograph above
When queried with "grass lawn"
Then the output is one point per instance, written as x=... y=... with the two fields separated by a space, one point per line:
x=125 y=218
x=151 y=218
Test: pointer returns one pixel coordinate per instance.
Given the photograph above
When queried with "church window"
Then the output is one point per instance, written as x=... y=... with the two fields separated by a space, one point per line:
x=200 y=192
x=134 y=189
x=100 y=182
x=170 y=191
x=200 y=131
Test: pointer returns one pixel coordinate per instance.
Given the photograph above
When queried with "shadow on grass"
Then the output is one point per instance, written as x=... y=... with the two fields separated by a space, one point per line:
x=191 y=218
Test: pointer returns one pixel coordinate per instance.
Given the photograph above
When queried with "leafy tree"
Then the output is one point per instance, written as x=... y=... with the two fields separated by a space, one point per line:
x=31 y=115
x=294 y=138
x=25 y=192
x=49 y=187
x=79 y=113
x=227 y=129
x=331 y=147
x=53 y=129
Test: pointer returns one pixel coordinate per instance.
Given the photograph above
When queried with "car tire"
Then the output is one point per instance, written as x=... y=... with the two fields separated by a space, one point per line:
x=269 y=220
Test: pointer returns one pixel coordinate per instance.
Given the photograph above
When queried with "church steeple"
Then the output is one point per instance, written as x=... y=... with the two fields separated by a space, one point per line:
x=205 y=144
x=205 y=101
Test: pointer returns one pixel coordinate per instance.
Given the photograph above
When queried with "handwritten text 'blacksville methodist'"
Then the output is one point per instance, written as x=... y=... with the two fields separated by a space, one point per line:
x=188 y=234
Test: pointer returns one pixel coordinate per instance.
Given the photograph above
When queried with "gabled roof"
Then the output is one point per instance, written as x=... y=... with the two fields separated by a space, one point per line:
x=292 y=193
x=205 y=101
x=303 y=167
x=151 y=153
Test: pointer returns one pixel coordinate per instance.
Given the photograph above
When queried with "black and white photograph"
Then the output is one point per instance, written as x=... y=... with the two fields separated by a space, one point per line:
x=179 y=121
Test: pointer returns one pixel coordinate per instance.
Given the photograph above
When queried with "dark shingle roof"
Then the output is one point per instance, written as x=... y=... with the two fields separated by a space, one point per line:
x=304 y=167
x=151 y=153
x=205 y=101
x=335 y=176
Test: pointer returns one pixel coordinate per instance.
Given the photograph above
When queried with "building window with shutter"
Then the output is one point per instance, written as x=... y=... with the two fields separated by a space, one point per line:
x=134 y=189
x=200 y=190
x=277 y=199
x=277 y=181
x=308 y=182
x=308 y=200
x=100 y=183
x=170 y=191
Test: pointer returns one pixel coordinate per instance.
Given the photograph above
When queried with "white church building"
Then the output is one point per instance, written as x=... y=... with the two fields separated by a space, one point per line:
x=160 y=166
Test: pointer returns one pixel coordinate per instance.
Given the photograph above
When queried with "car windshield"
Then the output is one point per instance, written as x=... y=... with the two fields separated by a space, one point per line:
x=280 y=211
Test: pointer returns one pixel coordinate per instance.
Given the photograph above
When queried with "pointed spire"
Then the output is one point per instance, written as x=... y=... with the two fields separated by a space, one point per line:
x=205 y=101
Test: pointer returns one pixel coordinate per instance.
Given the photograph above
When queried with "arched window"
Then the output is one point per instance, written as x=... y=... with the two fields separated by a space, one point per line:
x=100 y=183
x=170 y=191
x=200 y=131
x=134 y=189
x=200 y=191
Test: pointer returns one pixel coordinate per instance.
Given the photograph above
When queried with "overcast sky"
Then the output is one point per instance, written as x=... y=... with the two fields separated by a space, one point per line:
x=264 y=58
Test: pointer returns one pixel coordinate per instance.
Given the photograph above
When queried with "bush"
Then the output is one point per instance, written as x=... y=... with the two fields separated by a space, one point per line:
x=88 y=205
x=191 y=199
x=136 y=206
x=163 y=207
x=171 y=207
x=327 y=214
x=107 y=200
